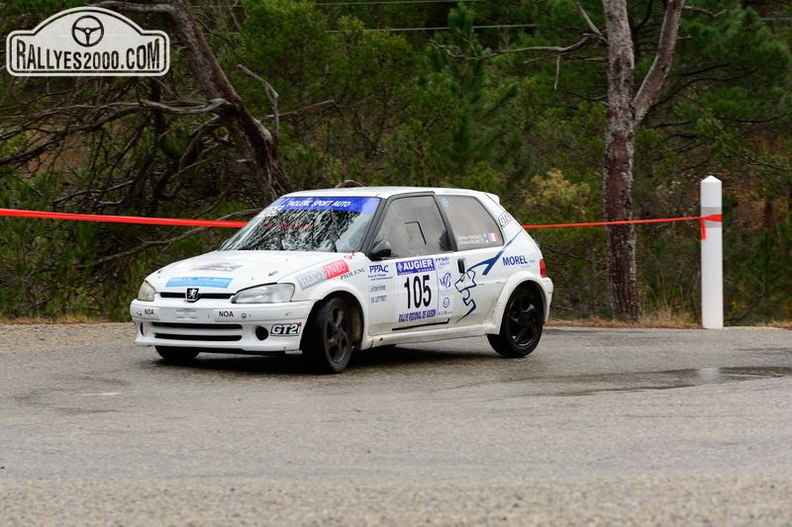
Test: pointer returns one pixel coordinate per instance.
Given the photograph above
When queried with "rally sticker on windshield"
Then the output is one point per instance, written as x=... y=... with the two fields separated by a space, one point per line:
x=362 y=205
x=423 y=290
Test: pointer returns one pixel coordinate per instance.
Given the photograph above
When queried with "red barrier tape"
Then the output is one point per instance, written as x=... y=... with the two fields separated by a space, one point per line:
x=700 y=219
x=222 y=223
x=119 y=219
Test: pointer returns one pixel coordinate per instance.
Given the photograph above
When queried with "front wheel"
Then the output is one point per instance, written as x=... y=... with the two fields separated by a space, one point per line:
x=521 y=326
x=174 y=355
x=330 y=340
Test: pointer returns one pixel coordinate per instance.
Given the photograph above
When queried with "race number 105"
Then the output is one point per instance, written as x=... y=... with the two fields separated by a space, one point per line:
x=419 y=293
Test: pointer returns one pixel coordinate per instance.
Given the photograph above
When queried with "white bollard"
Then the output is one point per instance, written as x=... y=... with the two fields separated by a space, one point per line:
x=712 y=256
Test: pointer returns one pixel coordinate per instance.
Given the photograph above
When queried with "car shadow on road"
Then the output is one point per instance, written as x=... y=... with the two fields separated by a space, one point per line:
x=388 y=357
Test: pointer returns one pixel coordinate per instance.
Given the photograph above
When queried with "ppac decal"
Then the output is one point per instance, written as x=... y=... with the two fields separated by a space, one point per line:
x=467 y=282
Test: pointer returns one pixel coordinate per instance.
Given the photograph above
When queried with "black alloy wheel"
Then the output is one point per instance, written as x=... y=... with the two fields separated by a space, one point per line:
x=330 y=340
x=521 y=326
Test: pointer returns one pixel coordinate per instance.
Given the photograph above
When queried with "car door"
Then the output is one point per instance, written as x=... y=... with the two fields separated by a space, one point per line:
x=479 y=271
x=413 y=286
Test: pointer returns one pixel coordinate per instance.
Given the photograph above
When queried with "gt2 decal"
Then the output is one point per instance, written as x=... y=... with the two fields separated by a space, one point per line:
x=504 y=219
x=286 y=330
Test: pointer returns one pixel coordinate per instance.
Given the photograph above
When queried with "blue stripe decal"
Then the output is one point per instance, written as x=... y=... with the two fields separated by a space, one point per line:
x=364 y=205
x=492 y=261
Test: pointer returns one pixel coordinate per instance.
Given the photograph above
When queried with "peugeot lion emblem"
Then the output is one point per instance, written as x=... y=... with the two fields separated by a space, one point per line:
x=192 y=294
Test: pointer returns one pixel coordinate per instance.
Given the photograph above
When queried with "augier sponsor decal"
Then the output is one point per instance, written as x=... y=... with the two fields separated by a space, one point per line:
x=419 y=265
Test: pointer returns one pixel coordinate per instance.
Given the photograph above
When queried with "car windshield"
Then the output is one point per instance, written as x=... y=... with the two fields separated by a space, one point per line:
x=332 y=224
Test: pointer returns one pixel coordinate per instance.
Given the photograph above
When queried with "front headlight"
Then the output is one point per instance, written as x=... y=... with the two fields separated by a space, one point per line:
x=146 y=292
x=264 y=294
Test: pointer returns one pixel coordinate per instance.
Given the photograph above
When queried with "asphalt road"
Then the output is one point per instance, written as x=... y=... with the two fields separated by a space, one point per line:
x=597 y=427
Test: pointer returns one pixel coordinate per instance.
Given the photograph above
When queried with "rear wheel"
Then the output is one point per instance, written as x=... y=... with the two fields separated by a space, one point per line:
x=521 y=326
x=175 y=355
x=330 y=340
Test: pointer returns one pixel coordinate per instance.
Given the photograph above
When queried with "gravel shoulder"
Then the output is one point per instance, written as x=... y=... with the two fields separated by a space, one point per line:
x=720 y=500
x=39 y=337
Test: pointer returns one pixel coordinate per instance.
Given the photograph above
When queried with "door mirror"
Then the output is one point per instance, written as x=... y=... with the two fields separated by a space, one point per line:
x=381 y=249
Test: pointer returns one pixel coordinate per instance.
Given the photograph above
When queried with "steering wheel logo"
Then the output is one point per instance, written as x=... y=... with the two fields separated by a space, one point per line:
x=87 y=31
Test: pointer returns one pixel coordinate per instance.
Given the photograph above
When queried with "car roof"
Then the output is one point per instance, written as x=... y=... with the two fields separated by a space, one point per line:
x=387 y=192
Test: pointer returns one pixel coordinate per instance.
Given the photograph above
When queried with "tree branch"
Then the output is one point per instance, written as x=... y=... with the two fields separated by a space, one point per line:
x=134 y=7
x=272 y=95
x=662 y=63
x=188 y=108
x=594 y=29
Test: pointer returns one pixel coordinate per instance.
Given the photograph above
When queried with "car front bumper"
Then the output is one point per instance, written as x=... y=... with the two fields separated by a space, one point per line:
x=220 y=325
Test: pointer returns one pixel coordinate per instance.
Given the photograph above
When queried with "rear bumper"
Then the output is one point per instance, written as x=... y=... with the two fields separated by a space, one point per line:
x=220 y=325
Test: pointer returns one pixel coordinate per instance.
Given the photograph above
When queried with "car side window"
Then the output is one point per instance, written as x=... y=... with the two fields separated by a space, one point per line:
x=413 y=226
x=472 y=225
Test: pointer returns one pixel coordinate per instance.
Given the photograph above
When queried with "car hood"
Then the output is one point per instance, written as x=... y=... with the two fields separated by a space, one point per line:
x=231 y=271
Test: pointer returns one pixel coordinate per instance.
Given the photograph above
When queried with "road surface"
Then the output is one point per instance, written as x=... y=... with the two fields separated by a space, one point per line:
x=597 y=427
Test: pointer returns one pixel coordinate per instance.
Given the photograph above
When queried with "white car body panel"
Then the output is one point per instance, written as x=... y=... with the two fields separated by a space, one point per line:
x=402 y=300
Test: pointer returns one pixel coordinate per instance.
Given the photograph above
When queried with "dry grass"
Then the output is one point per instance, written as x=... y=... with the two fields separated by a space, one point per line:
x=67 y=319
x=603 y=323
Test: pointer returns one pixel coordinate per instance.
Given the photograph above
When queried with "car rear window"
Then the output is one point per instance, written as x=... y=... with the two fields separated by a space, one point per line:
x=471 y=224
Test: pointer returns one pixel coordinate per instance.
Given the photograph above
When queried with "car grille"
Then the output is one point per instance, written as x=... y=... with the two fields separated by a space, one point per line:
x=197 y=332
x=201 y=295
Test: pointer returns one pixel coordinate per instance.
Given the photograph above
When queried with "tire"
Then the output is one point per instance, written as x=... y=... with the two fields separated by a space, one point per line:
x=329 y=341
x=173 y=355
x=521 y=326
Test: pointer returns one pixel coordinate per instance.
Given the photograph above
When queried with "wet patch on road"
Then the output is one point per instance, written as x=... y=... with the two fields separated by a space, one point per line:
x=666 y=380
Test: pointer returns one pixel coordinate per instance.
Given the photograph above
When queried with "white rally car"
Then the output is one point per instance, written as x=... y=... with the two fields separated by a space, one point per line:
x=332 y=271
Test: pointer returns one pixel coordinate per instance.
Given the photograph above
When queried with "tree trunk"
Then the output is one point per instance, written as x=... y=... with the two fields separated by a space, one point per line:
x=626 y=110
x=617 y=170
